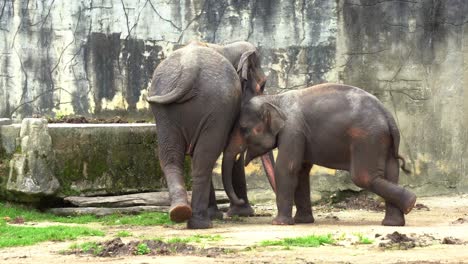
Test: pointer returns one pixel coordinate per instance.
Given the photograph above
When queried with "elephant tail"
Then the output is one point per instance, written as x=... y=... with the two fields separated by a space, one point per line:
x=403 y=166
x=396 y=139
x=179 y=83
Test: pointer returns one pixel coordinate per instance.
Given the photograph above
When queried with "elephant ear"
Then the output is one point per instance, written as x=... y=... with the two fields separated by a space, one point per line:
x=273 y=117
x=245 y=62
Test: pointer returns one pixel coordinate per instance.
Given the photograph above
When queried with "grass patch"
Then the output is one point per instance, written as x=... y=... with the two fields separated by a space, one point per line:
x=142 y=249
x=29 y=214
x=306 y=241
x=88 y=247
x=124 y=233
x=363 y=240
x=193 y=239
x=11 y=236
x=144 y=219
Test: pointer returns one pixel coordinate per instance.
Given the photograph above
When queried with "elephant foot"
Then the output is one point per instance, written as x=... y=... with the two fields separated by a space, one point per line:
x=240 y=210
x=303 y=219
x=215 y=213
x=180 y=212
x=393 y=221
x=410 y=202
x=199 y=222
x=282 y=220
x=393 y=216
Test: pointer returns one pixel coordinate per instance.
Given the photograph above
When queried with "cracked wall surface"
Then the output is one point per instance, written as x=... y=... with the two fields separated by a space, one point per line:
x=96 y=58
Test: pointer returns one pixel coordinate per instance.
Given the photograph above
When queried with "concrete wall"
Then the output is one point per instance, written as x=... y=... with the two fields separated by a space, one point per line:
x=96 y=57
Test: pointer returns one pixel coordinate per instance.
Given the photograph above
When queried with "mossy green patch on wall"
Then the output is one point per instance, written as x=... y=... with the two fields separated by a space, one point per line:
x=106 y=159
x=100 y=160
x=103 y=159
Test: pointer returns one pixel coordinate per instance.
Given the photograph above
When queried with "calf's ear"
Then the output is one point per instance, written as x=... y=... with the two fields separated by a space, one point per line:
x=273 y=117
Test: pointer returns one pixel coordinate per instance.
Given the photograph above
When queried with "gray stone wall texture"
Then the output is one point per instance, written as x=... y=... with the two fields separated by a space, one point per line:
x=96 y=58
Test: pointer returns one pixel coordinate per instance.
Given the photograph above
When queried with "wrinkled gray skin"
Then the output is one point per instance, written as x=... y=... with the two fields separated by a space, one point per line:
x=195 y=96
x=331 y=125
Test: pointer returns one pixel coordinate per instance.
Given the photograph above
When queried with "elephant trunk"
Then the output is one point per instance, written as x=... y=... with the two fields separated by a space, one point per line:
x=268 y=161
x=229 y=159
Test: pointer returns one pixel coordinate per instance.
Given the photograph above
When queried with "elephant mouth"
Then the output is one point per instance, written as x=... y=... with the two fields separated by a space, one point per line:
x=268 y=161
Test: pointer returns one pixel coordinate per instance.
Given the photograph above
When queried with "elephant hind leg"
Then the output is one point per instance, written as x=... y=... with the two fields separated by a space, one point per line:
x=393 y=215
x=368 y=164
x=302 y=196
x=206 y=152
x=171 y=158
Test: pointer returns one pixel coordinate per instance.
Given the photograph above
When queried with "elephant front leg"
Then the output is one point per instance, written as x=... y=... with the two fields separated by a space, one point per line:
x=288 y=165
x=302 y=196
x=286 y=184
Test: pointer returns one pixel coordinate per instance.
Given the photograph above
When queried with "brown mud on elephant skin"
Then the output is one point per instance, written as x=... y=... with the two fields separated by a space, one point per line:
x=331 y=125
x=195 y=95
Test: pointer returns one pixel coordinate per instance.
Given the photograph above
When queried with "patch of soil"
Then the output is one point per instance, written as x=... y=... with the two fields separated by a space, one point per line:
x=421 y=207
x=452 y=241
x=332 y=217
x=17 y=220
x=116 y=247
x=400 y=241
x=460 y=220
x=361 y=201
x=262 y=214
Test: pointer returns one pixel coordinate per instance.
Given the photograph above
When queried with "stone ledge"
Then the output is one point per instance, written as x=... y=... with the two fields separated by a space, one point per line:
x=5 y=121
x=86 y=159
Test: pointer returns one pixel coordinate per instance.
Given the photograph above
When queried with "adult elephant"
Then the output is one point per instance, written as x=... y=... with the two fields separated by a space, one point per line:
x=195 y=96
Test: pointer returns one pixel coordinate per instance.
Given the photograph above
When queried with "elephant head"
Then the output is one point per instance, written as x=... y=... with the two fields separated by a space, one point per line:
x=260 y=123
x=245 y=58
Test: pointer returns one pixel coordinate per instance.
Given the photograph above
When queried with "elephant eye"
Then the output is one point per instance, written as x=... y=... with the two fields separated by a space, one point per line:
x=262 y=88
x=258 y=129
x=243 y=130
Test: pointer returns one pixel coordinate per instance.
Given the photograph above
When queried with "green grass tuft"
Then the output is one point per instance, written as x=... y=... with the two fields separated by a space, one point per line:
x=210 y=237
x=11 y=236
x=193 y=239
x=123 y=233
x=142 y=249
x=88 y=247
x=306 y=241
x=363 y=240
x=144 y=219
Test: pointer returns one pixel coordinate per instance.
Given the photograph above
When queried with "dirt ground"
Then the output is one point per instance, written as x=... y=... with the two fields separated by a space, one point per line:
x=427 y=226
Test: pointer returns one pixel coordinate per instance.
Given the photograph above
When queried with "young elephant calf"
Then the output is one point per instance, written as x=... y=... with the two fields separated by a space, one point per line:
x=331 y=125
